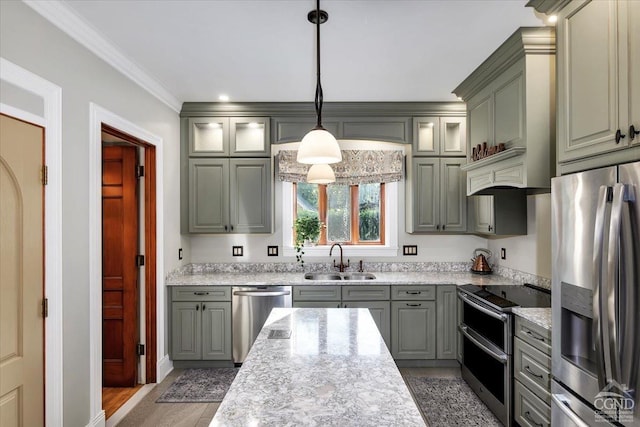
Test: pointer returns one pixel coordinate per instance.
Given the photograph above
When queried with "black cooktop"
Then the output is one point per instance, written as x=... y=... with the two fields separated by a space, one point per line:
x=505 y=297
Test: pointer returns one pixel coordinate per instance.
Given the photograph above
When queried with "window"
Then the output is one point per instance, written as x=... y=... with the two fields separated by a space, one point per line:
x=351 y=214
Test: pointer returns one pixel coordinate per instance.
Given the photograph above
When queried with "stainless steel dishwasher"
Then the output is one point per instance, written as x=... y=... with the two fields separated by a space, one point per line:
x=251 y=307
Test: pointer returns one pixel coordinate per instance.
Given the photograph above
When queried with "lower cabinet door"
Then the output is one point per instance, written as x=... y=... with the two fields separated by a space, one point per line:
x=447 y=340
x=529 y=410
x=216 y=330
x=379 y=311
x=186 y=331
x=414 y=329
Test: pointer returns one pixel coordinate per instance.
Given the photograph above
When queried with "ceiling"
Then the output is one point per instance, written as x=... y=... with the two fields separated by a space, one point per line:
x=264 y=50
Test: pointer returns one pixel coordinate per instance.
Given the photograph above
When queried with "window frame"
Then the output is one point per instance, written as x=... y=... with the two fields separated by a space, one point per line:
x=354 y=194
x=284 y=220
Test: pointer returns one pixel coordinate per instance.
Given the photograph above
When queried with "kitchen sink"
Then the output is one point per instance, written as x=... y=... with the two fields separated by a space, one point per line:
x=336 y=276
x=358 y=276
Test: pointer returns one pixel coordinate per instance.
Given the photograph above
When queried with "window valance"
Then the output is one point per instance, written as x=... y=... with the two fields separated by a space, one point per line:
x=356 y=167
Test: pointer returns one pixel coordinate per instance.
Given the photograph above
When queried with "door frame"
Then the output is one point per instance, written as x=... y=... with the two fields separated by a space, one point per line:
x=98 y=117
x=51 y=120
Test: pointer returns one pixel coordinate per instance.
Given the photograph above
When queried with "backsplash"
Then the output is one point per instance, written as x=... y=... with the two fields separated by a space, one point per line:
x=404 y=267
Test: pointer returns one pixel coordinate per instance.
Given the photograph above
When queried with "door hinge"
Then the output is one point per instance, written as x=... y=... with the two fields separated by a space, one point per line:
x=140 y=350
x=139 y=260
x=139 y=171
x=44 y=175
x=45 y=307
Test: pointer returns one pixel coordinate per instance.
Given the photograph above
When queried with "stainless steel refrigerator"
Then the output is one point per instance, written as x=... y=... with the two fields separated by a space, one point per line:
x=595 y=222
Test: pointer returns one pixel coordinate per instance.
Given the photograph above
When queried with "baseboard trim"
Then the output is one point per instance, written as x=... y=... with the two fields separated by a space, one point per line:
x=163 y=368
x=98 y=421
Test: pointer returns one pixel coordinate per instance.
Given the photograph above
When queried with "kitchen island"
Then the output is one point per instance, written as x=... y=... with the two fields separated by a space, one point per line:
x=326 y=367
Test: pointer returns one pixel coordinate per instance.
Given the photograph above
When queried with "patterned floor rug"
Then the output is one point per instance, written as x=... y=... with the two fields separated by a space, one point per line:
x=450 y=402
x=199 y=385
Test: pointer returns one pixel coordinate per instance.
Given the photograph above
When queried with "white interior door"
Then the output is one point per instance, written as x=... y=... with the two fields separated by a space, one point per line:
x=21 y=274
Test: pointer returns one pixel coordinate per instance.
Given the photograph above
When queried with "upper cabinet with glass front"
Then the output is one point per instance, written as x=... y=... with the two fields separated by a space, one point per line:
x=439 y=136
x=224 y=137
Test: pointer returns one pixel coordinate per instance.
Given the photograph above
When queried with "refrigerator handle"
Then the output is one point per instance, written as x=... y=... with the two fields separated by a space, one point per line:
x=599 y=312
x=626 y=353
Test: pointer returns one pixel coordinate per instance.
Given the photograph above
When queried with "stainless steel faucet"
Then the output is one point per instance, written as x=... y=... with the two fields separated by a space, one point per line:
x=342 y=265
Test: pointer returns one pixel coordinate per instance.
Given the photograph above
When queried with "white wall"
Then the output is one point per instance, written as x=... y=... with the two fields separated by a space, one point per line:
x=530 y=253
x=31 y=42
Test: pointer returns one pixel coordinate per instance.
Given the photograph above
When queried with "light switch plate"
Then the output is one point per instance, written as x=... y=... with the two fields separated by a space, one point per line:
x=410 y=250
x=237 y=250
x=503 y=253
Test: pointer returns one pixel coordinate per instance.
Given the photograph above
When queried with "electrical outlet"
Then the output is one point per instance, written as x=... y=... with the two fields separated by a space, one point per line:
x=410 y=250
x=503 y=253
x=237 y=250
x=180 y=253
x=272 y=251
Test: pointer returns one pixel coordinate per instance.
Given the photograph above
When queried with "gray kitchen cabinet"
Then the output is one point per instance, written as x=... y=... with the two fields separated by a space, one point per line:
x=436 y=200
x=532 y=373
x=200 y=323
x=293 y=129
x=379 y=311
x=598 y=83
x=387 y=129
x=230 y=195
x=510 y=100
x=317 y=293
x=229 y=136
x=413 y=334
x=503 y=213
x=447 y=322
x=439 y=136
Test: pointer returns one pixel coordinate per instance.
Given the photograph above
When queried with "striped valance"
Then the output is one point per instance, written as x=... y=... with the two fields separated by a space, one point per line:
x=356 y=167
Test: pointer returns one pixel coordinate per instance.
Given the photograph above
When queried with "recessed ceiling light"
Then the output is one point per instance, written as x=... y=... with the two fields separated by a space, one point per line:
x=223 y=98
x=552 y=19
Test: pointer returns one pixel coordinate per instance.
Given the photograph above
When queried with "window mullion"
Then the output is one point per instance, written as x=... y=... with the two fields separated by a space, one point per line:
x=355 y=215
x=322 y=213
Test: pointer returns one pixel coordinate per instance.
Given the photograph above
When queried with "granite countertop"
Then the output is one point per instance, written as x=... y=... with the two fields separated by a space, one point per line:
x=539 y=316
x=334 y=370
x=382 y=278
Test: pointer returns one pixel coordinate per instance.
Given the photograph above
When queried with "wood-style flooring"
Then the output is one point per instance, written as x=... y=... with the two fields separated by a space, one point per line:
x=148 y=413
x=114 y=397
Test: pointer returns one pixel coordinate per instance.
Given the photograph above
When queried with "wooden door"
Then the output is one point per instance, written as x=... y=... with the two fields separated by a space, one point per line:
x=21 y=274
x=119 y=268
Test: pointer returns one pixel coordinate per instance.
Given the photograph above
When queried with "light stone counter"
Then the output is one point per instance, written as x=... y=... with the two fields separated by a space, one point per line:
x=334 y=370
x=539 y=316
x=297 y=279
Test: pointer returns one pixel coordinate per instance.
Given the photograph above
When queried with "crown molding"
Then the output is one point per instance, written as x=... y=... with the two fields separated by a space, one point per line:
x=63 y=17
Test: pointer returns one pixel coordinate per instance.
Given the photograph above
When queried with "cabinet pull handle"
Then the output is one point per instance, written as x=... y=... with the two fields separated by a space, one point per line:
x=535 y=336
x=443 y=227
x=414 y=305
x=633 y=132
x=489 y=228
x=197 y=307
x=528 y=369
x=201 y=293
x=338 y=306
x=529 y=418
x=232 y=228
x=413 y=292
x=619 y=136
x=226 y=228
x=438 y=227
x=203 y=307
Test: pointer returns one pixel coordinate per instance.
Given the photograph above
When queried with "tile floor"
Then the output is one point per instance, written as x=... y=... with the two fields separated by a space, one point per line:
x=148 y=413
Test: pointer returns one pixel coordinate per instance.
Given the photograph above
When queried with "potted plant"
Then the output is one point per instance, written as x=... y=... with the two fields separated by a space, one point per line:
x=307 y=229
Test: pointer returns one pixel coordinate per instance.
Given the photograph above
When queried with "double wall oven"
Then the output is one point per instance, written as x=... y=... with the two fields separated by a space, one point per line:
x=486 y=327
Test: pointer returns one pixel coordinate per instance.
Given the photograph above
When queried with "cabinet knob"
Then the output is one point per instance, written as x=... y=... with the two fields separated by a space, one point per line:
x=203 y=307
x=232 y=228
x=490 y=228
x=619 y=136
x=633 y=132
x=438 y=227
x=226 y=228
x=443 y=227
x=197 y=307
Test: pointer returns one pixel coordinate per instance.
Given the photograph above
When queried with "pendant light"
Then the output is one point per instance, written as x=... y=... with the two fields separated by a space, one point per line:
x=321 y=174
x=318 y=146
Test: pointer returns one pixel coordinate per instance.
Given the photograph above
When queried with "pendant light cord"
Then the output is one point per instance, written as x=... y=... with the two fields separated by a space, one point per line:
x=318 y=98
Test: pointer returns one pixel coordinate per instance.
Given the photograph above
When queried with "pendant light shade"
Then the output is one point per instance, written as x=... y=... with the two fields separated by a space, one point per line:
x=321 y=174
x=318 y=146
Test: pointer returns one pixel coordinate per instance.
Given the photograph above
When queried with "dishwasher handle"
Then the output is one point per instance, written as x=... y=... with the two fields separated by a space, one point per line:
x=261 y=293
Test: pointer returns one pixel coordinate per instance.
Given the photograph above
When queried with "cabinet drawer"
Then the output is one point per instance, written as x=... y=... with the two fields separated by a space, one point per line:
x=533 y=369
x=365 y=293
x=417 y=292
x=533 y=334
x=529 y=411
x=201 y=293
x=316 y=304
x=316 y=293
